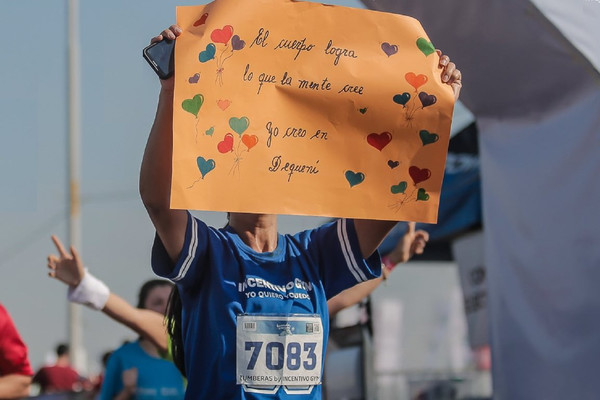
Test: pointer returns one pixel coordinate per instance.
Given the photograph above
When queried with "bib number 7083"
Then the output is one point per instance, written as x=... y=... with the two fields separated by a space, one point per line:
x=293 y=355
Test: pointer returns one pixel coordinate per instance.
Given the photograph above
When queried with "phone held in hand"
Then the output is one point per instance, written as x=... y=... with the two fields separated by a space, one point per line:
x=160 y=57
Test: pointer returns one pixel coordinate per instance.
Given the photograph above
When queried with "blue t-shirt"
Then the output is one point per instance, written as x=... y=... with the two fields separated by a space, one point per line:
x=157 y=378
x=221 y=279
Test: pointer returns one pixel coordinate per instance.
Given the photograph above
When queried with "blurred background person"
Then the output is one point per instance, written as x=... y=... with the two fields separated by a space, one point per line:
x=138 y=369
x=61 y=376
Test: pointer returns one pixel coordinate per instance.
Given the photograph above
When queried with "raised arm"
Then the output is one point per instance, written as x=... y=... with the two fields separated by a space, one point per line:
x=412 y=242
x=155 y=172
x=88 y=290
x=370 y=232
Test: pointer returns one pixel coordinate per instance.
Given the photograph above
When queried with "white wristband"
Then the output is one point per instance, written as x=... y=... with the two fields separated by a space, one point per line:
x=91 y=292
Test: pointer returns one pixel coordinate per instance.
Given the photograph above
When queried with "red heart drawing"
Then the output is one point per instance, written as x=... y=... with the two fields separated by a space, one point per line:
x=419 y=175
x=416 y=81
x=379 y=140
x=222 y=35
x=202 y=20
x=226 y=144
x=223 y=104
x=250 y=141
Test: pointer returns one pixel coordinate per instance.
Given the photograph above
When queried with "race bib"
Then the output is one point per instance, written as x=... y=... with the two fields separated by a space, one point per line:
x=279 y=350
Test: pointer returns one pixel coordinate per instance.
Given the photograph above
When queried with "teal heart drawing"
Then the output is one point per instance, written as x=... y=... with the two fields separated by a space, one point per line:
x=363 y=110
x=205 y=166
x=402 y=99
x=239 y=125
x=354 y=178
x=193 y=105
x=207 y=54
x=422 y=195
x=425 y=46
x=210 y=131
x=428 y=138
x=399 y=188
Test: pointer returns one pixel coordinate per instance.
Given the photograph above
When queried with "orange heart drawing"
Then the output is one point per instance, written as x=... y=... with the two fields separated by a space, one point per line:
x=223 y=104
x=416 y=81
x=222 y=35
x=202 y=20
x=250 y=141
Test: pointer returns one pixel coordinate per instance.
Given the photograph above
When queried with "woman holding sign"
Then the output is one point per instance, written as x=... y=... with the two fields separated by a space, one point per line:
x=254 y=320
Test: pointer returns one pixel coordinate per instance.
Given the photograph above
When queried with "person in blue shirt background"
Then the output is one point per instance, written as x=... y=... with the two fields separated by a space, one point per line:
x=137 y=369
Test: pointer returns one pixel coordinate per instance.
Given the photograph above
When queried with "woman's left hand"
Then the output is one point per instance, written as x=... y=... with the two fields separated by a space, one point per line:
x=450 y=74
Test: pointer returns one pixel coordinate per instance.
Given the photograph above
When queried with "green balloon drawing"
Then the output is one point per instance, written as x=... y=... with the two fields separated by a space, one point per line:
x=239 y=125
x=422 y=195
x=425 y=46
x=428 y=138
x=399 y=188
x=193 y=105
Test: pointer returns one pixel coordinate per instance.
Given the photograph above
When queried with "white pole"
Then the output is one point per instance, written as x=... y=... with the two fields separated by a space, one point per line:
x=75 y=326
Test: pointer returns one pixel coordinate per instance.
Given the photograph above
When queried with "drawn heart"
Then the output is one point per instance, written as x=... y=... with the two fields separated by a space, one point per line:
x=222 y=35
x=379 y=140
x=239 y=125
x=363 y=110
x=399 y=188
x=425 y=46
x=210 y=131
x=194 y=79
x=422 y=195
x=226 y=145
x=193 y=105
x=207 y=54
x=237 y=43
x=393 y=164
x=427 y=99
x=389 y=49
x=205 y=166
x=402 y=99
x=250 y=141
x=416 y=81
x=354 y=178
x=223 y=104
x=428 y=138
x=202 y=20
x=419 y=175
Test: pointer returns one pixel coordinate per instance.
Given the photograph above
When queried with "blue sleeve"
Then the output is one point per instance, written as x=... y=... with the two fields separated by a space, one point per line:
x=189 y=267
x=341 y=264
x=113 y=382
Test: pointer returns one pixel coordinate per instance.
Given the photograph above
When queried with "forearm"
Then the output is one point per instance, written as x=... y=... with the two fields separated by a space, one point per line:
x=155 y=178
x=14 y=386
x=155 y=172
x=352 y=295
x=147 y=323
x=371 y=233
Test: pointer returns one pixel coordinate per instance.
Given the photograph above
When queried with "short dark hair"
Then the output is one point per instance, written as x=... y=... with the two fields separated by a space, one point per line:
x=62 y=349
x=147 y=287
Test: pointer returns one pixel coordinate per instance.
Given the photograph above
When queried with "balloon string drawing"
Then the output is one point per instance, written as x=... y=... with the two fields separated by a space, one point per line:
x=193 y=106
x=222 y=38
x=404 y=99
x=417 y=175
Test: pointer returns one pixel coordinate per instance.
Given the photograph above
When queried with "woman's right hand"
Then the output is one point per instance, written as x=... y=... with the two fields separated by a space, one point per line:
x=170 y=33
x=65 y=267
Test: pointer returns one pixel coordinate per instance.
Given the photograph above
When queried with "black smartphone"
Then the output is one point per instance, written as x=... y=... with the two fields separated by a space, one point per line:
x=160 y=57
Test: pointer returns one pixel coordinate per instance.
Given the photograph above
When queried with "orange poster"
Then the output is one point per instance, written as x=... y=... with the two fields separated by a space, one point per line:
x=301 y=108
